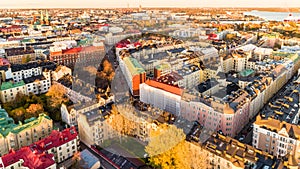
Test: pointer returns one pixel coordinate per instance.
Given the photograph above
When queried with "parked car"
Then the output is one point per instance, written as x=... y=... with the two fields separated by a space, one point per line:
x=242 y=138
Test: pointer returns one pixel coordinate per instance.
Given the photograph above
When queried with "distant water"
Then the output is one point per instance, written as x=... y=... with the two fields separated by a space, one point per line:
x=271 y=16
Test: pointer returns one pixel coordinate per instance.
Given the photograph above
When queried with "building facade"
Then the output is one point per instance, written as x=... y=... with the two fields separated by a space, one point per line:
x=14 y=136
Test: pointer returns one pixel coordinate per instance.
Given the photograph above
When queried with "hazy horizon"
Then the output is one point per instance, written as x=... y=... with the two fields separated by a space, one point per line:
x=146 y=3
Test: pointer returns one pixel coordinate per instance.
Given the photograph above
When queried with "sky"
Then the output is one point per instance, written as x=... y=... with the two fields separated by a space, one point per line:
x=145 y=3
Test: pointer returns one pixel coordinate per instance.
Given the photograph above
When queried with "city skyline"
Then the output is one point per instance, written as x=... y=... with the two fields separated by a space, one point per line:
x=144 y=3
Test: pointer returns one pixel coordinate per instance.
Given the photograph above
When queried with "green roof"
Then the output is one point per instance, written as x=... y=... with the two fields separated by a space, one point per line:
x=134 y=66
x=283 y=54
x=246 y=72
x=293 y=56
x=9 y=85
x=7 y=124
x=28 y=123
x=162 y=66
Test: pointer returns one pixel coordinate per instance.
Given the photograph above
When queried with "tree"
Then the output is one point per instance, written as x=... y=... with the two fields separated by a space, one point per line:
x=120 y=123
x=18 y=114
x=57 y=95
x=76 y=160
x=34 y=110
x=168 y=149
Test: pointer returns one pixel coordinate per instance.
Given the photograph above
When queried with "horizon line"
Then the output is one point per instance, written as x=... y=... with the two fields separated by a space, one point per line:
x=142 y=7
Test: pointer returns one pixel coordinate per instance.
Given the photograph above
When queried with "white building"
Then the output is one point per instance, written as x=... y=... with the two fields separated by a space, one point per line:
x=69 y=114
x=62 y=144
x=160 y=98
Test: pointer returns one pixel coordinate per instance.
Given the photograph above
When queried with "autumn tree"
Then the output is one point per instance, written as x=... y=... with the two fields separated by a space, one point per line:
x=34 y=110
x=76 y=160
x=57 y=95
x=121 y=123
x=168 y=149
x=18 y=114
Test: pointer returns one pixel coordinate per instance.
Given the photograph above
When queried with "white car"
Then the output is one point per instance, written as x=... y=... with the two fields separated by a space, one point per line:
x=242 y=138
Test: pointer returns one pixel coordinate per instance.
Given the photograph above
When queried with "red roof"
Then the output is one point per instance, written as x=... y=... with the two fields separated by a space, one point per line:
x=32 y=159
x=166 y=87
x=72 y=51
x=55 y=139
x=80 y=49
x=137 y=44
x=4 y=62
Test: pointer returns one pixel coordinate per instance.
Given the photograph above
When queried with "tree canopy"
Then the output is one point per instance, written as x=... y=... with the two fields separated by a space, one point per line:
x=168 y=149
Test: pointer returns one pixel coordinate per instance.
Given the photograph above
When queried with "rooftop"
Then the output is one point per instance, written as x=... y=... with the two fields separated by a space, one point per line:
x=19 y=51
x=43 y=64
x=10 y=84
x=204 y=86
x=32 y=159
x=34 y=78
x=284 y=108
x=55 y=139
x=88 y=158
x=228 y=148
x=246 y=72
x=277 y=125
x=134 y=66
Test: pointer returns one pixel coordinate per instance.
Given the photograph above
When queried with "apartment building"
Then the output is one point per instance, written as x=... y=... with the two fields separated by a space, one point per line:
x=18 y=55
x=162 y=93
x=69 y=114
x=14 y=136
x=134 y=74
x=112 y=39
x=60 y=72
x=276 y=137
x=27 y=158
x=190 y=76
x=62 y=144
x=276 y=131
x=227 y=153
x=93 y=128
x=33 y=77
x=79 y=55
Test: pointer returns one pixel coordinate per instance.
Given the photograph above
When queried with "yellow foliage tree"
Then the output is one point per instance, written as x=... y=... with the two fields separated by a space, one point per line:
x=120 y=123
x=57 y=95
x=168 y=149
x=34 y=110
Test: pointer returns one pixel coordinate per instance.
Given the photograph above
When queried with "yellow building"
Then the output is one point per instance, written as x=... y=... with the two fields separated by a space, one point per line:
x=14 y=136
